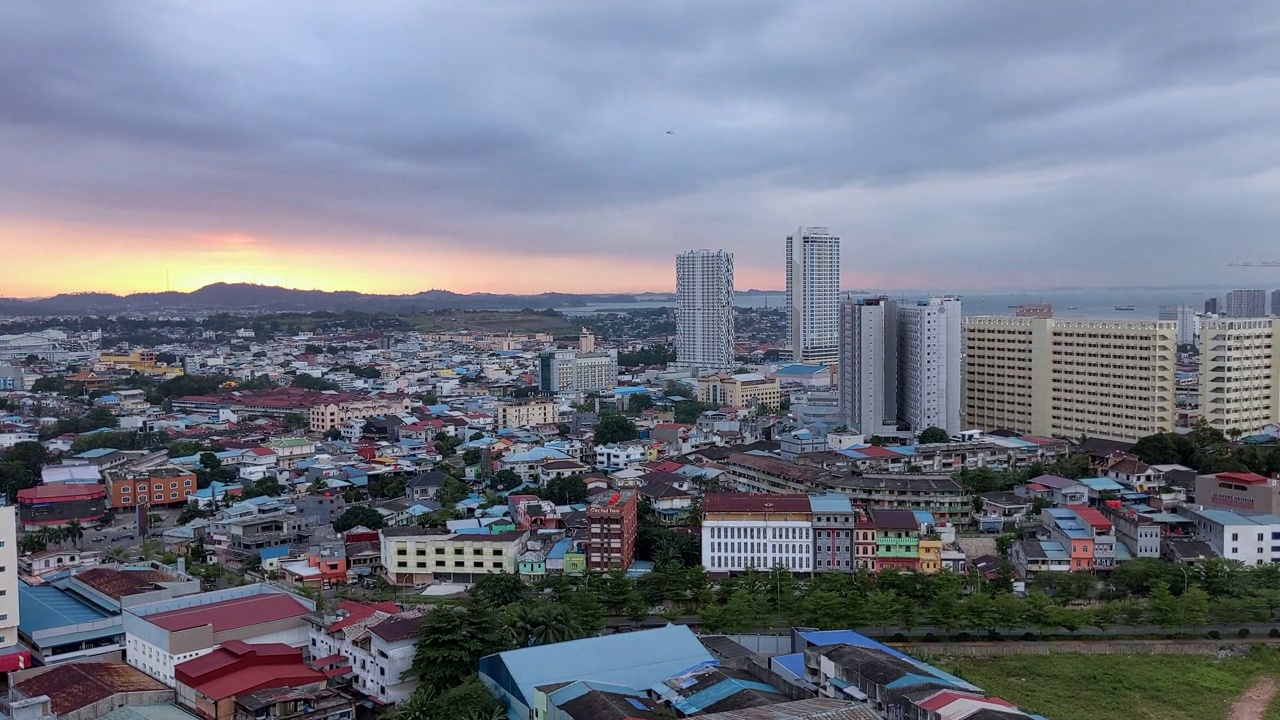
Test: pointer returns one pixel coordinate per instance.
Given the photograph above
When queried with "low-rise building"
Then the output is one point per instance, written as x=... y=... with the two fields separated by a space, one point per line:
x=1245 y=493
x=51 y=505
x=414 y=555
x=168 y=485
x=161 y=635
x=612 y=525
x=210 y=685
x=756 y=530
x=526 y=413
x=295 y=704
x=1248 y=539
x=897 y=539
x=82 y=691
x=741 y=390
x=376 y=640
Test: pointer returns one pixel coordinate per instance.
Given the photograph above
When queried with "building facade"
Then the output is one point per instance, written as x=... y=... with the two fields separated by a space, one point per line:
x=414 y=555
x=929 y=377
x=704 y=310
x=1185 y=316
x=577 y=371
x=813 y=295
x=761 y=531
x=868 y=364
x=612 y=523
x=8 y=583
x=742 y=390
x=1043 y=376
x=1246 y=303
x=526 y=414
x=1240 y=373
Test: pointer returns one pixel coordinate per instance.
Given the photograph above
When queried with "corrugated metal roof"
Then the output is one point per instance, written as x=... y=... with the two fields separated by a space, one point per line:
x=73 y=686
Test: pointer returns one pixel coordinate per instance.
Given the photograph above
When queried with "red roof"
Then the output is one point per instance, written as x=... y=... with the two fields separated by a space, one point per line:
x=360 y=611
x=946 y=697
x=1094 y=518
x=250 y=672
x=231 y=614
x=876 y=451
x=756 y=502
x=1038 y=440
x=62 y=492
x=1231 y=476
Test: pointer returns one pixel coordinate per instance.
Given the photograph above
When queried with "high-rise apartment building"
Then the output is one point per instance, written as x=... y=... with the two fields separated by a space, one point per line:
x=868 y=364
x=1185 y=316
x=1275 y=302
x=1246 y=304
x=9 y=589
x=1045 y=376
x=929 y=375
x=704 y=310
x=1240 y=373
x=1211 y=306
x=813 y=294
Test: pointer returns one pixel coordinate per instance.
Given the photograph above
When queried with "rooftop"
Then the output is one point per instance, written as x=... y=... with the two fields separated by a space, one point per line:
x=116 y=583
x=756 y=502
x=45 y=607
x=73 y=686
x=231 y=614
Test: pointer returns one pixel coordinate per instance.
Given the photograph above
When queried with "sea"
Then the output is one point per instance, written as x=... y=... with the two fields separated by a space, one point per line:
x=1086 y=303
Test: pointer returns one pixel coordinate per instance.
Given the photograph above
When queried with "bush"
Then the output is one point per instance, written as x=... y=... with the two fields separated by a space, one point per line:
x=1028 y=636
x=1243 y=633
x=899 y=637
x=1215 y=635
x=1275 y=633
x=964 y=637
x=930 y=638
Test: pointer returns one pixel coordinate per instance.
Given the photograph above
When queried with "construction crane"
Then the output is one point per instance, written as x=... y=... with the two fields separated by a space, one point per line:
x=1261 y=263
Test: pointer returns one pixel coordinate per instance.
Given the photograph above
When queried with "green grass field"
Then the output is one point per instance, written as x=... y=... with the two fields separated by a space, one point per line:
x=1132 y=687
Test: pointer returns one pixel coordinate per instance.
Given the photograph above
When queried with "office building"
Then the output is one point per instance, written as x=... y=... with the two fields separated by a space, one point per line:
x=762 y=531
x=1246 y=304
x=577 y=371
x=929 y=348
x=1185 y=316
x=1211 y=306
x=1240 y=373
x=741 y=390
x=704 y=310
x=413 y=555
x=868 y=364
x=1275 y=302
x=813 y=294
x=1105 y=379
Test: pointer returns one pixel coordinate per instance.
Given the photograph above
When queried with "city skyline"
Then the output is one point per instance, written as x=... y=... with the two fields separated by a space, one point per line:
x=312 y=147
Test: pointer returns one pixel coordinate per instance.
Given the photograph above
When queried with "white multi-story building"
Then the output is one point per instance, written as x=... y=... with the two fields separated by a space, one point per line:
x=8 y=578
x=868 y=366
x=620 y=456
x=704 y=310
x=1185 y=316
x=813 y=294
x=1240 y=373
x=1246 y=303
x=929 y=352
x=377 y=640
x=577 y=371
x=1252 y=540
x=762 y=531
x=1109 y=379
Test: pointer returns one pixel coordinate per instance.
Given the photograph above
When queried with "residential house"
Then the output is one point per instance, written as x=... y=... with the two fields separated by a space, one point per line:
x=376 y=640
x=209 y=686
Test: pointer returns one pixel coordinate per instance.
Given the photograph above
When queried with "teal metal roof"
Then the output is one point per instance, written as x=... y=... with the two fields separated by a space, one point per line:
x=46 y=607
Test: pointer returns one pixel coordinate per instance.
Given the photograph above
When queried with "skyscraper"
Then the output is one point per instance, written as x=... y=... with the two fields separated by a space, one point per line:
x=1246 y=304
x=8 y=581
x=704 y=310
x=929 y=351
x=1211 y=306
x=868 y=355
x=813 y=294
x=1240 y=373
x=1275 y=302
x=1186 y=319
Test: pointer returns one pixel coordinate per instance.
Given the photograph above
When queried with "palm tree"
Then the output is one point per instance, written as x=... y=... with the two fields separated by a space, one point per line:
x=75 y=532
x=32 y=542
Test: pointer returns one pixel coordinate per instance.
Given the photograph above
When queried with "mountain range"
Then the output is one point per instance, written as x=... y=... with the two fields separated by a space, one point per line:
x=244 y=297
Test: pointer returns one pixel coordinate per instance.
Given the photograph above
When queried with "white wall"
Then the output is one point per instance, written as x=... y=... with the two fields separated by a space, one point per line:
x=8 y=576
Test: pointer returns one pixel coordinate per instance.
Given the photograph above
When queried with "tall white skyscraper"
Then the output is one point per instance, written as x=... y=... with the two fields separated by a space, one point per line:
x=1185 y=316
x=8 y=579
x=868 y=364
x=929 y=352
x=704 y=310
x=813 y=294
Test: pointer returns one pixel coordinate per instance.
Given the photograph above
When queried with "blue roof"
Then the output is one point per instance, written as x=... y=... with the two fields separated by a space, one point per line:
x=707 y=697
x=1054 y=550
x=270 y=553
x=829 y=502
x=1102 y=484
x=559 y=549
x=799 y=369
x=535 y=455
x=46 y=607
x=793 y=663
x=638 y=659
x=849 y=637
x=629 y=390
x=924 y=516
x=97 y=453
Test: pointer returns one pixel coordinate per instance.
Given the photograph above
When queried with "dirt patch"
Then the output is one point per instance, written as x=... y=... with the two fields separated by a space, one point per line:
x=1252 y=705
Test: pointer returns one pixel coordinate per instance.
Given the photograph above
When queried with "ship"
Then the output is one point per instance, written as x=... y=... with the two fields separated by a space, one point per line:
x=1126 y=308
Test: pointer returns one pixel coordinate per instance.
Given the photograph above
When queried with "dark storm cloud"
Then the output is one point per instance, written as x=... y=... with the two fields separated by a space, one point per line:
x=999 y=142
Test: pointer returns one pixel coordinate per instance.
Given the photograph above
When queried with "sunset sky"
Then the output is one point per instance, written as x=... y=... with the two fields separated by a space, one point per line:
x=523 y=147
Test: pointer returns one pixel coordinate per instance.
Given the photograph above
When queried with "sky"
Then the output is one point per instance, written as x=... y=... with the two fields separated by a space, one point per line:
x=523 y=147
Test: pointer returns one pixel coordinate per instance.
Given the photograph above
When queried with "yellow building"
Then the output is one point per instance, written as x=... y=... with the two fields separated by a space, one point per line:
x=1108 y=379
x=743 y=390
x=526 y=414
x=414 y=555
x=141 y=361
x=1240 y=373
x=930 y=554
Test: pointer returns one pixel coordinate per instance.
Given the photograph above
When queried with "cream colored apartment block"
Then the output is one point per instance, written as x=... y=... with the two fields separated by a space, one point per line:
x=1240 y=373
x=526 y=414
x=1055 y=377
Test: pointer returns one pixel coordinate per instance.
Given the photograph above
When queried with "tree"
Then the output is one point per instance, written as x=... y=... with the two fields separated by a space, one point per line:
x=613 y=429
x=566 y=490
x=15 y=476
x=49 y=383
x=452 y=491
x=563 y=430
x=932 y=435
x=31 y=454
x=310 y=382
x=639 y=402
x=210 y=461
x=75 y=532
x=452 y=640
x=499 y=589
x=505 y=480
x=296 y=421
x=359 y=516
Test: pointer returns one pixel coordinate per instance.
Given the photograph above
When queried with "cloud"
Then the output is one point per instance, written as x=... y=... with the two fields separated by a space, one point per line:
x=950 y=145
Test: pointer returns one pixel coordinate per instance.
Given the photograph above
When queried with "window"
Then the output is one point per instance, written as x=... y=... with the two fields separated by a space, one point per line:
x=1235 y=537
x=173 y=496
x=125 y=500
